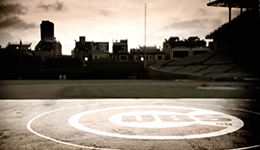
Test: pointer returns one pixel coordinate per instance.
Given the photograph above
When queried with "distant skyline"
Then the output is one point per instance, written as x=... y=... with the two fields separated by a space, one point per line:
x=107 y=20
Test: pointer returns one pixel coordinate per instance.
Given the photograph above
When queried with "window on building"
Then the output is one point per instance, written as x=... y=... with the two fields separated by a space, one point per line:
x=199 y=52
x=160 y=57
x=123 y=57
x=138 y=57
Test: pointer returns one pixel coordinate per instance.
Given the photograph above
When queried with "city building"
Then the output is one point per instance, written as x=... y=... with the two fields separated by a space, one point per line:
x=100 y=50
x=47 y=31
x=152 y=54
x=82 y=49
x=120 y=50
x=120 y=46
x=48 y=45
x=19 y=49
x=176 y=48
x=121 y=56
x=100 y=55
x=89 y=50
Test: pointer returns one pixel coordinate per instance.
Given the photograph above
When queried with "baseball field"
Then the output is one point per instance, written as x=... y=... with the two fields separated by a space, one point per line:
x=56 y=89
x=128 y=115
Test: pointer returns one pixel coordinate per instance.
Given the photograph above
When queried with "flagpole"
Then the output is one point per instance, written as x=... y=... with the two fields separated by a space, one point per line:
x=145 y=38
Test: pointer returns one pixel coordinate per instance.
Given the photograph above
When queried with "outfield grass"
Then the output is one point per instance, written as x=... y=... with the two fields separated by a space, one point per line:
x=155 y=90
x=30 y=82
x=58 y=89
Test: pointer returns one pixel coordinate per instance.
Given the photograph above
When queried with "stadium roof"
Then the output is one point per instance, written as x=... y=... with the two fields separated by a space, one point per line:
x=234 y=3
x=246 y=20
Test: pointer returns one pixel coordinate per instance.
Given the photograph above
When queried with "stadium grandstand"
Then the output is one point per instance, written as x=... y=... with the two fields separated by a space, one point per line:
x=234 y=56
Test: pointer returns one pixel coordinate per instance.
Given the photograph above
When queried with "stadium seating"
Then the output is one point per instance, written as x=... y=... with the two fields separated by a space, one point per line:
x=191 y=69
x=221 y=57
x=217 y=65
x=197 y=59
x=170 y=68
x=214 y=69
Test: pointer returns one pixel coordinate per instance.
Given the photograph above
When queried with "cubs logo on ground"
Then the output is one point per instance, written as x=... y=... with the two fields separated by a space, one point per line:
x=155 y=122
x=106 y=124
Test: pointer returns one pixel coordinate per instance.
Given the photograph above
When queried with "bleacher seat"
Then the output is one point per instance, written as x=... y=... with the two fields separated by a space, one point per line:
x=221 y=57
x=214 y=69
x=197 y=59
x=190 y=69
x=170 y=68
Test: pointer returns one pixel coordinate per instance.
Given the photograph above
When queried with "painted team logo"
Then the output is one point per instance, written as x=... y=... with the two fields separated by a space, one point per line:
x=156 y=122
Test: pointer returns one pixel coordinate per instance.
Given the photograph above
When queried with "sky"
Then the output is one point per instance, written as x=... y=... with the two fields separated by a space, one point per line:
x=108 y=20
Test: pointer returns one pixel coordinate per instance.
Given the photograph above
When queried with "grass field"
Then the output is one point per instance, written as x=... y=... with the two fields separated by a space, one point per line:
x=57 y=89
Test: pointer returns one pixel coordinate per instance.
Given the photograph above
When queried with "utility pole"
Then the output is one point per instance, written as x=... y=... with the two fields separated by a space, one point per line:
x=145 y=41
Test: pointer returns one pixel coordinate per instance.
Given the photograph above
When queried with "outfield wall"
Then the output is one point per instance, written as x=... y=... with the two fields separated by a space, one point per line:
x=18 y=67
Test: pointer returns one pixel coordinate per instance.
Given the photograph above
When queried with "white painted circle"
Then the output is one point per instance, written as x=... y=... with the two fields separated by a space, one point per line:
x=196 y=117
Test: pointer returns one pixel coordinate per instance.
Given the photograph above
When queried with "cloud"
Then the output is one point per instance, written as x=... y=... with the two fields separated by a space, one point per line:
x=105 y=12
x=9 y=16
x=144 y=1
x=5 y=38
x=15 y=22
x=203 y=12
x=11 y=9
x=194 y=24
x=56 y=6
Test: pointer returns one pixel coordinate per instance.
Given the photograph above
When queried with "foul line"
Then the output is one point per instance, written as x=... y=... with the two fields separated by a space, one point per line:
x=244 y=148
x=61 y=142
